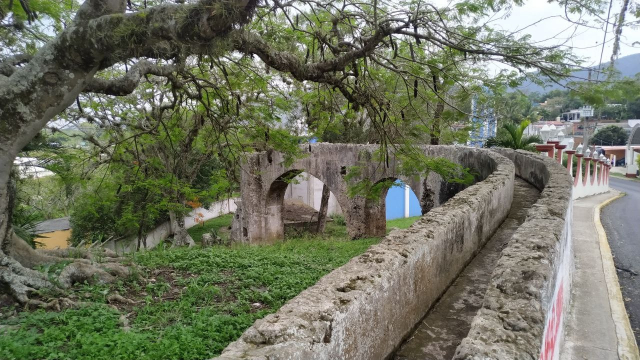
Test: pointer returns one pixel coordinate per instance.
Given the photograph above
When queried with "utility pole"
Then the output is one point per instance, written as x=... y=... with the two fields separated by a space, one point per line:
x=585 y=130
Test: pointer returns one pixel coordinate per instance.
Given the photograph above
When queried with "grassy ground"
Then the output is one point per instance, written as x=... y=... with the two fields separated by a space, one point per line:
x=189 y=303
x=624 y=177
x=401 y=223
x=219 y=225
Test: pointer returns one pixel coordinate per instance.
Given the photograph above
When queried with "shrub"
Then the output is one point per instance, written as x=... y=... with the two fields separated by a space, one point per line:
x=338 y=219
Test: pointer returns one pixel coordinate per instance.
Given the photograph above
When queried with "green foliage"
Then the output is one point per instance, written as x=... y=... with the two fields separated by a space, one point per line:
x=25 y=25
x=109 y=209
x=215 y=224
x=338 y=219
x=610 y=135
x=514 y=107
x=24 y=221
x=512 y=136
x=217 y=292
x=402 y=223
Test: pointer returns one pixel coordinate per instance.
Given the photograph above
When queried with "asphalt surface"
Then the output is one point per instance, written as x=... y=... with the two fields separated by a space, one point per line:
x=621 y=221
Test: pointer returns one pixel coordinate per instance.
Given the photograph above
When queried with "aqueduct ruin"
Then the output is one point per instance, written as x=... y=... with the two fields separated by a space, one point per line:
x=265 y=178
x=368 y=307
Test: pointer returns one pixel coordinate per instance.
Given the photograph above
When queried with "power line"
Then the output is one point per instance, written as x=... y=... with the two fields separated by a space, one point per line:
x=604 y=41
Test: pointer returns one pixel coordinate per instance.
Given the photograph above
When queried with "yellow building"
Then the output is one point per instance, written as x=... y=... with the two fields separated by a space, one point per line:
x=55 y=233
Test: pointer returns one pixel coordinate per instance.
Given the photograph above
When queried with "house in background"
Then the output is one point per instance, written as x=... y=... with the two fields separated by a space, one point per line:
x=401 y=202
x=55 y=233
x=307 y=189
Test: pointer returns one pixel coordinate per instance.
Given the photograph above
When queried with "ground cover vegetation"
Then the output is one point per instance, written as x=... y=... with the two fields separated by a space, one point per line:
x=184 y=303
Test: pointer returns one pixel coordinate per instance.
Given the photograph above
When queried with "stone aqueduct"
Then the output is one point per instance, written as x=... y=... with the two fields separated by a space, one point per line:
x=265 y=178
x=364 y=309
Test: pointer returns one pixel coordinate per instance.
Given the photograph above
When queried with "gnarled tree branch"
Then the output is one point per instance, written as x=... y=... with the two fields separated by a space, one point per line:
x=127 y=83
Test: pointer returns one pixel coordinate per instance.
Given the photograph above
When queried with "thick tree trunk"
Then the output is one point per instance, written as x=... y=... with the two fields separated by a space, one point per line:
x=54 y=77
x=180 y=235
x=324 y=206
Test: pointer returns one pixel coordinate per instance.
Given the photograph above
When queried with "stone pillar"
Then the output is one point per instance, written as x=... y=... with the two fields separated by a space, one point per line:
x=595 y=171
x=555 y=143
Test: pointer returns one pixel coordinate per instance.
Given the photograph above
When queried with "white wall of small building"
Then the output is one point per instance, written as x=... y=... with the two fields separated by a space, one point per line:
x=307 y=189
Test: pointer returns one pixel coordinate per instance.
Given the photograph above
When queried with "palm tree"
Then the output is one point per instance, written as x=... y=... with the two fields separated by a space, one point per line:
x=512 y=136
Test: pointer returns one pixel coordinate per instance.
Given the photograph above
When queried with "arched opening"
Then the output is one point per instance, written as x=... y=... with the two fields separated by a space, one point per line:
x=294 y=205
x=401 y=202
x=391 y=200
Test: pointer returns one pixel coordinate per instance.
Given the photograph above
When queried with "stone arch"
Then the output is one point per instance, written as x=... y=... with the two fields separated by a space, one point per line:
x=375 y=208
x=274 y=202
x=262 y=185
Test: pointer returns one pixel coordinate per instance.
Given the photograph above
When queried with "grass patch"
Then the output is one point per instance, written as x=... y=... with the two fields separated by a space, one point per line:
x=211 y=296
x=190 y=303
x=403 y=223
x=216 y=224
x=623 y=176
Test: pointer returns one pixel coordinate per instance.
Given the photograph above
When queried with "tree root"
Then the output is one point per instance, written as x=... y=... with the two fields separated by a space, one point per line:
x=116 y=298
x=78 y=272
x=20 y=281
x=18 y=278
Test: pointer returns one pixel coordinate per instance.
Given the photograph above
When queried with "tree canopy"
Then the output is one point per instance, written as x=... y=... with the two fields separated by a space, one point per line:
x=177 y=91
x=610 y=135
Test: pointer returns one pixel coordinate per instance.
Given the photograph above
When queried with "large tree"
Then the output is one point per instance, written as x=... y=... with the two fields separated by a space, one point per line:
x=107 y=46
x=610 y=135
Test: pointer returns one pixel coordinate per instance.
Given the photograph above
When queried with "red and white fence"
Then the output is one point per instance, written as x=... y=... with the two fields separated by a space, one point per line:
x=585 y=183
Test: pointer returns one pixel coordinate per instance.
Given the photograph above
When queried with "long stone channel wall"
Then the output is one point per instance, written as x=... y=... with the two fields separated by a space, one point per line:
x=524 y=307
x=364 y=309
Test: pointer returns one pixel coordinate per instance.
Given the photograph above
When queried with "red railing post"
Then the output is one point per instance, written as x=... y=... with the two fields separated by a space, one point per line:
x=548 y=148
x=559 y=154
x=587 y=173
x=570 y=161
x=578 y=178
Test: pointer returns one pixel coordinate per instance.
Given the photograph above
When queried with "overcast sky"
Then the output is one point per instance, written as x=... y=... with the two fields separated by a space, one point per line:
x=585 y=42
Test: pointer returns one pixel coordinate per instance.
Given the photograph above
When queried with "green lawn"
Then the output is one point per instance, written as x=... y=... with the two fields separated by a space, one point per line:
x=401 y=223
x=191 y=303
x=624 y=177
x=221 y=222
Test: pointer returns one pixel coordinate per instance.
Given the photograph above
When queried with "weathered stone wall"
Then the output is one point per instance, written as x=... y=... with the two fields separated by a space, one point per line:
x=265 y=176
x=364 y=309
x=522 y=314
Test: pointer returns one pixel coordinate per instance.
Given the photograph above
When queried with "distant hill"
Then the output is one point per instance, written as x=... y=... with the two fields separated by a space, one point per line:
x=628 y=66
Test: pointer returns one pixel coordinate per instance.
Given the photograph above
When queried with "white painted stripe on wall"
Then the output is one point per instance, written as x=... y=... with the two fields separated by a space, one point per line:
x=407 y=191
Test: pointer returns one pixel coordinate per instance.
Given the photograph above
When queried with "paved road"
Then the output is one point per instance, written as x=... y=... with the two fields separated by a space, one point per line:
x=621 y=220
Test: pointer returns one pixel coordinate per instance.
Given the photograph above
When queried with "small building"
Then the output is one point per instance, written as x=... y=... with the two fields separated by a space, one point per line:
x=55 y=233
x=571 y=115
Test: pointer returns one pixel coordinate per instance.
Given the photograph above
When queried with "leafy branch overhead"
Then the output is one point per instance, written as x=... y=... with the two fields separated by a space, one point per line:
x=174 y=92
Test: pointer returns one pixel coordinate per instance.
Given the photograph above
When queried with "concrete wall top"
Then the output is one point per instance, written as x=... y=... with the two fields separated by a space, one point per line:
x=530 y=284
x=365 y=308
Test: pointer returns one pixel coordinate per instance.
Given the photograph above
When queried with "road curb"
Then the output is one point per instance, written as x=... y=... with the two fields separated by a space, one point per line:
x=627 y=347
